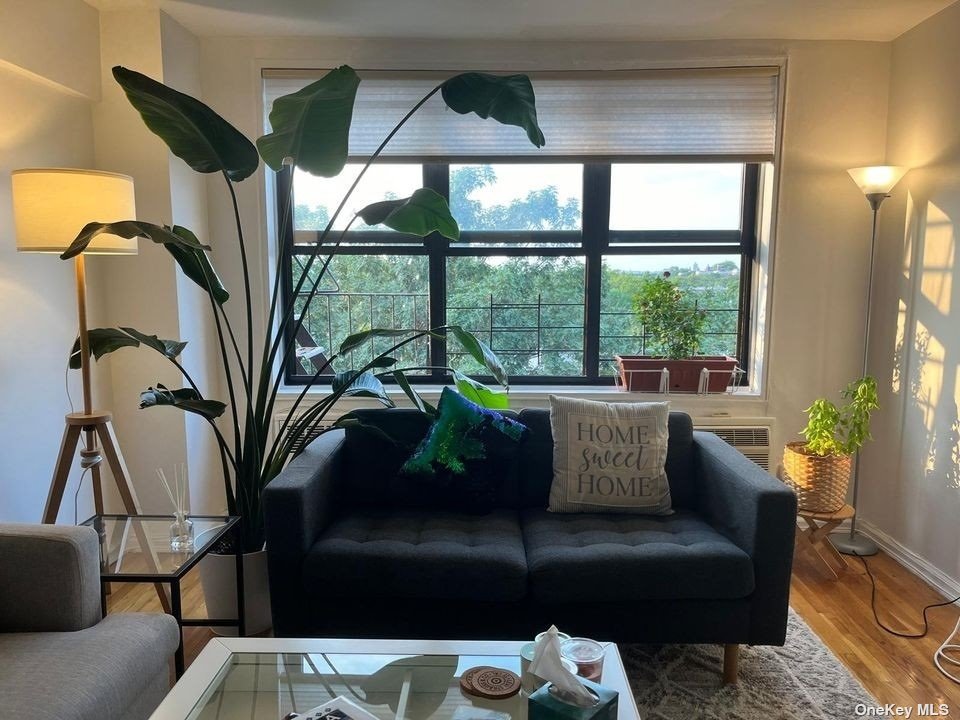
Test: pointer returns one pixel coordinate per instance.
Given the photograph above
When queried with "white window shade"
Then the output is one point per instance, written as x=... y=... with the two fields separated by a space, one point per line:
x=721 y=113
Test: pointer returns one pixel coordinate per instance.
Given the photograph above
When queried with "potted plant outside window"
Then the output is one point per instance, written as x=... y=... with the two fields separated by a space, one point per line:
x=309 y=131
x=677 y=328
x=818 y=468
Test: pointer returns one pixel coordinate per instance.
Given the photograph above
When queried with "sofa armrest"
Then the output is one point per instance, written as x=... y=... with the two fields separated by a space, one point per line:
x=759 y=514
x=298 y=504
x=50 y=575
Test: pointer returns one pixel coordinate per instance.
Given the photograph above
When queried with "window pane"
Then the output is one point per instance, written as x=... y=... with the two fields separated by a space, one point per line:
x=529 y=310
x=516 y=197
x=360 y=292
x=675 y=197
x=712 y=281
x=316 y=198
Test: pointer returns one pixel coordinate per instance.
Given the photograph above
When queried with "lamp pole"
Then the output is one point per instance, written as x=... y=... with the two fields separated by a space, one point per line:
x=853 y=543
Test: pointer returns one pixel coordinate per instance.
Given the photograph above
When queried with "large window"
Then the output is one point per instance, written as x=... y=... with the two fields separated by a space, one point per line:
x=550 y=257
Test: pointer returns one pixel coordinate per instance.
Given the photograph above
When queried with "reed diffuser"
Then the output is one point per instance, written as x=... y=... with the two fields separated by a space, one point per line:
x=181 y=529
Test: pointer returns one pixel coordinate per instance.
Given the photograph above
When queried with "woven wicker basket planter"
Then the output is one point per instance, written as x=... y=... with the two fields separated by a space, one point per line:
x=820 y=481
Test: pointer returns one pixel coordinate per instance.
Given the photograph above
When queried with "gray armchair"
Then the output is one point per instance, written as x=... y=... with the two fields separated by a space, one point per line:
x=61 y=660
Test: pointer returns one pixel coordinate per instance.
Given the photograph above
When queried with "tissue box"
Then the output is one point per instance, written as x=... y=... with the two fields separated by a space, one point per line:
x=542 y=705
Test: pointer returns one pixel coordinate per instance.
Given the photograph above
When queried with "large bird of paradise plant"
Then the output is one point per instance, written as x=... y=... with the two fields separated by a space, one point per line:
x=309 y=131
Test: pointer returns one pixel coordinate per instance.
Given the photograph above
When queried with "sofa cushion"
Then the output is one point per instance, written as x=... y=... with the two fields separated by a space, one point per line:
x=466 y=455
x=409 y=553
x=101 y=672
x=609 y=457
x=372 y=462
x=616 y=558
x=536 y=460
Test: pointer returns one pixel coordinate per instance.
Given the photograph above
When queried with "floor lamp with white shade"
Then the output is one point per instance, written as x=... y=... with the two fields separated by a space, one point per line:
x=875 y=182
x=50 y=208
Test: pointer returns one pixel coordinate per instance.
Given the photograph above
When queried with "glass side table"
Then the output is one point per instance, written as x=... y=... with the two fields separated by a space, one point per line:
x=136 y=549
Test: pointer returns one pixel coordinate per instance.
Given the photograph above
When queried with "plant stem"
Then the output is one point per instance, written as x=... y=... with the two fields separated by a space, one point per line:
x=246 y=275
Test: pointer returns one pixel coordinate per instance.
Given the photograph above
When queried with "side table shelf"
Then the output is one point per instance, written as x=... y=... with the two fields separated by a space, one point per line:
x=136 y=549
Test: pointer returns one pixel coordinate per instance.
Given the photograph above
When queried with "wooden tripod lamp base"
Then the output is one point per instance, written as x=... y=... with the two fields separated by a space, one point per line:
x=94 y=425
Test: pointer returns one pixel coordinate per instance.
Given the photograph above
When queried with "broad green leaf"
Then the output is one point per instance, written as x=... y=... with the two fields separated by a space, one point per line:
x=418 y=402
x=167 y=348
x=364 y=384
x=107 y=340
x=382 y=361
x=480 y=393
x=352 y=342
x=312 y=125
x=481 y=353
x=353 y=423
x=129 y=229
x=192 y=131
x=508 y=99
x=196 y=265
x=422 y=213
x=102 y=341
x=185 y=398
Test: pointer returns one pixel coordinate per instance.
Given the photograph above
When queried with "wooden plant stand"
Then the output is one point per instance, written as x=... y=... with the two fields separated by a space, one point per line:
x=816 y=536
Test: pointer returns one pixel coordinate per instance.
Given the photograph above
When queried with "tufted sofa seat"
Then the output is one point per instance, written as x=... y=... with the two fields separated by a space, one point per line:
x=356 y=551
x=631 y=557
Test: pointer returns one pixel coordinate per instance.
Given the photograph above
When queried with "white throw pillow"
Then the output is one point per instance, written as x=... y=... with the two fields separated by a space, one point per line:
x=609 y=457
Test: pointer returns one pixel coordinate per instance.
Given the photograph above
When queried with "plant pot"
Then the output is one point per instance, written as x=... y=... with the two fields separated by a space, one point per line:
x=820 y=481
x=218 y=576
x=642 y=373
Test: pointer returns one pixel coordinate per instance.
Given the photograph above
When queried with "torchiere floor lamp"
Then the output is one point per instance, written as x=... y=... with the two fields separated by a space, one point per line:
x=876 y=182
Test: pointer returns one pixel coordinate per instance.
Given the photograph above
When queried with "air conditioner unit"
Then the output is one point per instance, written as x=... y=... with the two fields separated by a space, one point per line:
x=752 y=440
x=304 y=440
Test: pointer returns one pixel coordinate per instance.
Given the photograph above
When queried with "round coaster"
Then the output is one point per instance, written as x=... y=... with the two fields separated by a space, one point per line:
x=495 y=683
x=466 y=680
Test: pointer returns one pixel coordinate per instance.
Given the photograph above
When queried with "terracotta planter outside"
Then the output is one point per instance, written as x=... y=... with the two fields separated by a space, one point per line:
x=641 y=373
x=820 y=481
x=218 y=576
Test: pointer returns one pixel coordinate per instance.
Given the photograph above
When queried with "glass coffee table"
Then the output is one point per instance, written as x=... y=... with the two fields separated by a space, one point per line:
x=136 y=548
x=268 y=678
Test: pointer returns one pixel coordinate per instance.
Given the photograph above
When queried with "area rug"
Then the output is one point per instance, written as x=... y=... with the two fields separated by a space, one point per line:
x=802 y=680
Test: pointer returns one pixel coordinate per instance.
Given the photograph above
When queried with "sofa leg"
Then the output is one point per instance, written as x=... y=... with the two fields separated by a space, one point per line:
x=731 y=663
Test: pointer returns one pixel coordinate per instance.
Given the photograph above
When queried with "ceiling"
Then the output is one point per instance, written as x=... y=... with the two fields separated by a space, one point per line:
x=551 y=19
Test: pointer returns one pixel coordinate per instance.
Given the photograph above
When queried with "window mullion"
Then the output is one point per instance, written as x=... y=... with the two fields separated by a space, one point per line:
x=436 y=176
x=596 y=221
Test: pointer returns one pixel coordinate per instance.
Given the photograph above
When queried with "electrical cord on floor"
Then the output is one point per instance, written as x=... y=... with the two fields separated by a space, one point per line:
x=944 y=648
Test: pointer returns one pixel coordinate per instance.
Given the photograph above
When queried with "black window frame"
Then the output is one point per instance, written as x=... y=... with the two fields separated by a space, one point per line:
x=594 y=240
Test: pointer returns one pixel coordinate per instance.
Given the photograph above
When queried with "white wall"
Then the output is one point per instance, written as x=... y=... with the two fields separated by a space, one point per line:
x=45 y=121
x=149 y=292
x=835 y=118
x=911 y=478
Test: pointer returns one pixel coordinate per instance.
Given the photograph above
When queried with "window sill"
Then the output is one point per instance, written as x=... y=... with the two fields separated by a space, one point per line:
x=743 y=403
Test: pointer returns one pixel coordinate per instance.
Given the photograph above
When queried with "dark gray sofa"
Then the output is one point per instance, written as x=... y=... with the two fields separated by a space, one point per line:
x=61 y=661
x=354 y=552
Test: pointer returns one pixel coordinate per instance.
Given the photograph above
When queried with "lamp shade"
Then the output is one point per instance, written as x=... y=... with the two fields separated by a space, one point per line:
x=52 y=205
x=877 y=179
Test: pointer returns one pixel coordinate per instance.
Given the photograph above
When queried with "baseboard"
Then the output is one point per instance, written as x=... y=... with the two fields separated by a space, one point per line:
x=921 y=567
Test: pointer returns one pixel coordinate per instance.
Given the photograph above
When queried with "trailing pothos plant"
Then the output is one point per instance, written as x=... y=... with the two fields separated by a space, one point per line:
x=309 y=131
x=833 y=430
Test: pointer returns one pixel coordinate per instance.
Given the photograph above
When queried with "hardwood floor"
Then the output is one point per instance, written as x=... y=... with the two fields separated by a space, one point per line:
x=893 y=670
